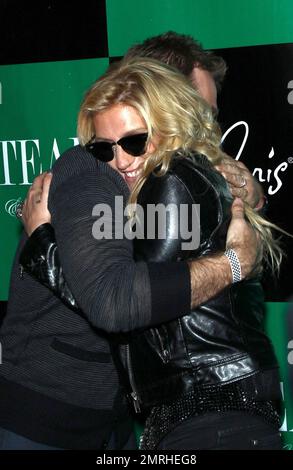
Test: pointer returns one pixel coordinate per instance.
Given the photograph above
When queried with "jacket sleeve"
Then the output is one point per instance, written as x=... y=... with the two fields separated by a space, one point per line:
x=40 y=258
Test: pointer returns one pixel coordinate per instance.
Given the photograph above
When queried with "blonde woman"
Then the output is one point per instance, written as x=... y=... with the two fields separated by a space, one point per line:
x=209 y=378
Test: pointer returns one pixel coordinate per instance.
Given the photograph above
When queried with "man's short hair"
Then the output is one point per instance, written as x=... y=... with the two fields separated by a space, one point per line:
x=182 y=52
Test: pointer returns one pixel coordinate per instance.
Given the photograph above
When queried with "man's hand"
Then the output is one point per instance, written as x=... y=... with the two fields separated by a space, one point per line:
x=35 y=210
x=243 y=238
x=241 y=182
x=209 y=275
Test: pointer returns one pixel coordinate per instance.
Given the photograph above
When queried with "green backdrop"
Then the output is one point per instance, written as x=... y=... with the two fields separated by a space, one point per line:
x=216 y=23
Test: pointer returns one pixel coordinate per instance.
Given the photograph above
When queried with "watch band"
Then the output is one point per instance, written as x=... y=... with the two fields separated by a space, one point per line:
x=234 y=264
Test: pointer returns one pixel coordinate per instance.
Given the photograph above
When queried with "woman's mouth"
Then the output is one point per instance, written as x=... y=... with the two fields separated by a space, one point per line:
x=132 y=174
x=131 y=177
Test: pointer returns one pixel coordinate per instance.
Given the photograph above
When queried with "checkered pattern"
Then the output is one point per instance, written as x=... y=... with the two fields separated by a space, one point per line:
x=235 y=265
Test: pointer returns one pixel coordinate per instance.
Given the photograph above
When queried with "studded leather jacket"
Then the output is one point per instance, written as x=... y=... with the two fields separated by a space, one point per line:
x=219 y=342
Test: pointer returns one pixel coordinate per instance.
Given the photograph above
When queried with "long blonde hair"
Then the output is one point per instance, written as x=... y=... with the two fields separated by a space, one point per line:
x=174 y=112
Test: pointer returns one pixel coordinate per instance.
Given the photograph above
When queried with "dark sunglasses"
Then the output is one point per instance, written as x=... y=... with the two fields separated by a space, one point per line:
x=132 y=144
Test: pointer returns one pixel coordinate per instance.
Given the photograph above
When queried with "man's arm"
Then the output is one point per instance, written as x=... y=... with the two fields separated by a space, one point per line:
x=40 y=258
x=243 y=239
x=117 y=294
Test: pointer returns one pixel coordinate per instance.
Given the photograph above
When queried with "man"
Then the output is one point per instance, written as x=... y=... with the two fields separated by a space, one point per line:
x=206 y=72
x=59 y=388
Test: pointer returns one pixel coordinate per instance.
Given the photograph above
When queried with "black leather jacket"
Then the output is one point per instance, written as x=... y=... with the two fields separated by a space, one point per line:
x=219 y=342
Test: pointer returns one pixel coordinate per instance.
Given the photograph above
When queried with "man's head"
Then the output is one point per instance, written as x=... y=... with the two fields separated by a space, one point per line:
x=203 y=68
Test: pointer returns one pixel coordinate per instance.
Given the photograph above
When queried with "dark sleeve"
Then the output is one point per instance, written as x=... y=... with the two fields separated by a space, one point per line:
x=114 y=292
x=40 y=258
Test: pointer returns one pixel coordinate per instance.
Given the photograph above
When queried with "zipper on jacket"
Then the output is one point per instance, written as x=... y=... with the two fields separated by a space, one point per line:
x=21 y=271
x=133 y=394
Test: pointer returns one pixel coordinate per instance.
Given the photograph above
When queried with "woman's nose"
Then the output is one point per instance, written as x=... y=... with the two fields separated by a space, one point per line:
x=122 y=158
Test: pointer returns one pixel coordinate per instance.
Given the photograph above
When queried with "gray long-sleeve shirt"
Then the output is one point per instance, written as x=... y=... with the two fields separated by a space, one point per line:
x=58 y=381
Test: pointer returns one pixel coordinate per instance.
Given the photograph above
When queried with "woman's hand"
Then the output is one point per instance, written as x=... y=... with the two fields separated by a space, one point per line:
x=35 y=208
